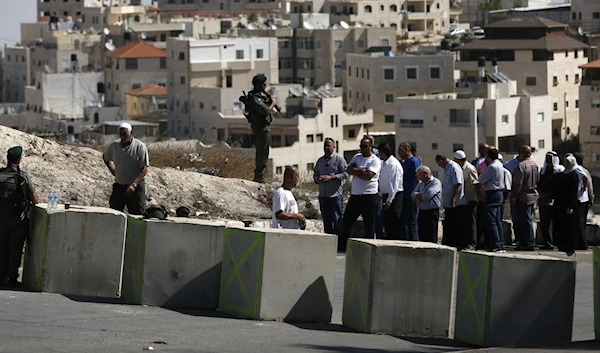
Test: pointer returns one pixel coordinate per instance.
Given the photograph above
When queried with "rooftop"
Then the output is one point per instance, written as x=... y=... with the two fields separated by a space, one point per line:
x=526 y=22
x=133 y=123
x=592 y=65
x=533 y=8
x=151 y=90
x=549 y=43
x=137 y=50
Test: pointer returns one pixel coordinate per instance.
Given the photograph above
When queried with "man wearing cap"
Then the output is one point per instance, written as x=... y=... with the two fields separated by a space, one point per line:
x=127 y=160
x=16 y=191
x=471 y=185
x=259 y=105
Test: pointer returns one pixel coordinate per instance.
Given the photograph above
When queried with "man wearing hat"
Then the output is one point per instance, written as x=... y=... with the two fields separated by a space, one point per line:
x=16 y=191
x=127 y=160
x=471 y=185
x=259 y=105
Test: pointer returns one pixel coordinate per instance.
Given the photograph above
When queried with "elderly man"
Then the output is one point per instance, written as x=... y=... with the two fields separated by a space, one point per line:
x=285 y=207
x=523 y=198
x=329 y=174
x=492 y=181
x=455 y=204
x=548 y=173
x=428 y=198
x=391 y=191
x=586 y=199
x=364 y=168
x=127 y=161
x=410 y=163
x=471 y=185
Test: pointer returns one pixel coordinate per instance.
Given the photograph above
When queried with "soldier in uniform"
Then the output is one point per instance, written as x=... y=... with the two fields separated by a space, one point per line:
x=17 y=192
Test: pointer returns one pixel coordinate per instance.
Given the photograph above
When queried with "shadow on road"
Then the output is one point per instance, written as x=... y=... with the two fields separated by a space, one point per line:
x=347 y=349
x=98 y=300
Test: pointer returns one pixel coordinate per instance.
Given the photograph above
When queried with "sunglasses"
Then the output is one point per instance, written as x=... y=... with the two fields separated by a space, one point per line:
x=364 y=146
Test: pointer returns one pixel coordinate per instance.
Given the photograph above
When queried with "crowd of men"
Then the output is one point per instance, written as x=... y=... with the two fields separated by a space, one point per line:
x=402 y=199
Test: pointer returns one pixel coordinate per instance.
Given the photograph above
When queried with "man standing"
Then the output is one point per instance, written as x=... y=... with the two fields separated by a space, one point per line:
x=427 y=196
x=586 y=200
x=479 y=164
x=258 y=105
x=455 y=204
x=546 y=201
x=483 y=148
x=16 y=192
x=285 y=207
x=408 y=219
x=127 y=160
x=390 y=191
x=492 y=181
x=471 y=185
x=523 y=197
x=329 y=173
x=364 y=168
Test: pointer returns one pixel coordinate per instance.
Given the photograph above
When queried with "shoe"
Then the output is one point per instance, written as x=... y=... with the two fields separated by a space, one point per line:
x=498 y=251
x=570 y=253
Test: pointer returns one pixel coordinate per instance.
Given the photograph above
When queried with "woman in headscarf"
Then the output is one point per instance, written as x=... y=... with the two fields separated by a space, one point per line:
x=564 y=192
x=550 y=168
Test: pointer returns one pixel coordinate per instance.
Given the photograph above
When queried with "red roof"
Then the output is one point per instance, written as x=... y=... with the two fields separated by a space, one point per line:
x=593 y=65
x=151 y=90
x=137 y=50
x=152 y=9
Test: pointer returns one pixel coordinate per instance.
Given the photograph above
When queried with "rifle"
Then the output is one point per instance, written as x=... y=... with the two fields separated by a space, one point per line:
x=26 y=204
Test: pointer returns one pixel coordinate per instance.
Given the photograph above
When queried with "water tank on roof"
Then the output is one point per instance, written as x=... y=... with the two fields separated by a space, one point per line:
x=445 y=44
x=481 y=62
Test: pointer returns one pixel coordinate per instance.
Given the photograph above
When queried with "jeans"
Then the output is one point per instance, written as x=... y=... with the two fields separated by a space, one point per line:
x=493 y=217
x=545 y=220
x=331 y=211
x=136 y=202
x=391 y=217
x=379 y=223
x=428 y=225
x=358 y=205
x=523 y=223
x=262 y=141
x=408 y=220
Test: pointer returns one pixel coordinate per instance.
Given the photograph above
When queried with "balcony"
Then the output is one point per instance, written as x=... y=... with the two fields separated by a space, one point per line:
x=123 y=10
x=411 y=123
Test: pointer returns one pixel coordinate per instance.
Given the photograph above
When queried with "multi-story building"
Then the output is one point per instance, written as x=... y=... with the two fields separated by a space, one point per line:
x=589 y=116
x=586 y=14
x=216 y=63
x=221 y=7
x=72 y=8
x=537 y=54
x=490 y=112
x=133 y=66
x=318 y=56
x=147 y=103
x=375 y=80
x=12 y=115
x=16 y=73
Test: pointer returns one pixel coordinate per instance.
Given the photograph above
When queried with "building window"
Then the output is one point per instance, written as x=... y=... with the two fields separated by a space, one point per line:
x=131 y=64
x=389 y=98
x=220 y=134
x=182 y=80
x=319 y=137
x=349 y=94
x=389 y=118
x=460 y=117
x=555 y=81
x=393 y=8
x=239 y=54
x=596 y=103
x=310 y=166
x=505 y=119
x=435 y=73
x=576 y=78
x=229 y=81
x=540 y=117
x=163 y=63
x=259 y=53
x=360 y=43
x=576 y=53
x=434 y=146
x=576 y=103
x=530 y=81
x=411 y=73
x=310 y=138
x=337 y=44
x=555 y=105
x=351 y=133
x=362 y=73
x=566 y=103
x=541 y=144
x=181 y=55
x=136 y=85
x=357 y=72
x=368 y=9
x=384 y=42
x=349 y=71
x=457 y=146
x=567 y=78
x=389 y=74
x=435 y=118
x=117 y=87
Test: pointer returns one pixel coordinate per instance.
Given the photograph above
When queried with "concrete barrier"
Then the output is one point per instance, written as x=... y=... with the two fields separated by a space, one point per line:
x=77 y=251
x=592 y=234
x=509 y=299
x=173 y=263
x=399 y=288
x=276 y=274
x=596 y=271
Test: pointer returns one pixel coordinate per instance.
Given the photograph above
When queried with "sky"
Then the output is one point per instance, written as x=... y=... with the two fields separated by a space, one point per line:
x=13 y=15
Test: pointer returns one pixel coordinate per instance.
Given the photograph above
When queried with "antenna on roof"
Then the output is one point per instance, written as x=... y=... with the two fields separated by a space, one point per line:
x=181 y=36
x=144 y=35
x=307 y=25
x=344 y=24
x=295 y=92
x=106 y=31
x=328 y=86
x=109 y=46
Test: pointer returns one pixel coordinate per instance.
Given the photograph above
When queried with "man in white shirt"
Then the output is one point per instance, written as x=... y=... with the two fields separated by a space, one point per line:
x=585 y=195
x=492 y=181
x=391 y=191
x=364 y=168
x=456 y=211
x=285 y=207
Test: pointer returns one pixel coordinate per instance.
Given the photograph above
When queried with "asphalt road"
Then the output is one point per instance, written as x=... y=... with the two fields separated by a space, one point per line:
x=37 y=322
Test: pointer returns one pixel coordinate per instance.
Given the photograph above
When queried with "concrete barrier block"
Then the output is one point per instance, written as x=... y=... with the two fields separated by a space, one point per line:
x=277 y=274
x=509 y=299
x=77 y=251
x=596 y=278
x=399 y=288
x=592 y=234
x=173 y=263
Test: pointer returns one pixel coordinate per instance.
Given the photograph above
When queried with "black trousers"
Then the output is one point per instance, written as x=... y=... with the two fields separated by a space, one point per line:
x=428 y=225
x=262 y=141
x=13 y=232
x=455 y=233
x=359 y=205
x=136 y=202
x=481 y=239
x=545 y=220
x=564 y=228
x=472 y=239
x=581 y=219
x=391 y=217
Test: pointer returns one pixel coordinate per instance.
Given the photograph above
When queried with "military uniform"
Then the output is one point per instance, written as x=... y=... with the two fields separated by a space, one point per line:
x=261 y=132
x=15 y=225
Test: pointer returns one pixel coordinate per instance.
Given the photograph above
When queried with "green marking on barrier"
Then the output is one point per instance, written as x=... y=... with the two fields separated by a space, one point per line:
x=253 y=305
x=470 y=296
x=354 y=269
x=596 y=277
x=135 y=247
x=38 y=260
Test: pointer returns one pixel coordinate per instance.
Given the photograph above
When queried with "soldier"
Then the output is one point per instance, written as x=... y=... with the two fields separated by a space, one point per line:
x=17 y=192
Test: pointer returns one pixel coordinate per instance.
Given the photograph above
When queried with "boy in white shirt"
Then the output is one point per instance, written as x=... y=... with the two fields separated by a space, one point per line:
x=285 y=207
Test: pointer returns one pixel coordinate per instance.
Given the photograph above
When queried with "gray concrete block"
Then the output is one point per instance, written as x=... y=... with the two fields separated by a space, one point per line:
x=277 y=274
x=174 y=263
x=509 y=299
x=77 y=251
x=399 y=288
x=596 y=279
x=592 y=234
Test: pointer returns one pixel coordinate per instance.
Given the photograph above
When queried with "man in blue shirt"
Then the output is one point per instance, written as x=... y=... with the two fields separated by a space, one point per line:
x=456 y=211
x=492 y=180
x=329 y=174
x=427 y=196
x=408 y=219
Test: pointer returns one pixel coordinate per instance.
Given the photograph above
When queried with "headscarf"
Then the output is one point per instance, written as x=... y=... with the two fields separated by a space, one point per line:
x=557 y=168
x=573 y=163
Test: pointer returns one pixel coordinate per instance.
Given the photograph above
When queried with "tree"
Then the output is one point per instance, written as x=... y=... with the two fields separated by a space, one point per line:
x=517 y=3
x=490 y=5
x=252 y=18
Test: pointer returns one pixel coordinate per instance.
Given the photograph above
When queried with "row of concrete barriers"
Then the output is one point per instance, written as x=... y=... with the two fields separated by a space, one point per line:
x=399 y=288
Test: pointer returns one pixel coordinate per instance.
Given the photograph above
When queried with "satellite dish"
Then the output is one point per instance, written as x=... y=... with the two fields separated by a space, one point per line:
x=336 y=26
x=109 y=46
x=580 y=31
x=359 y=24
x=307 y=25
x=273 y=26
x=181 y=36
x=328 y=86
x=144 y=35
x=306 y=90
x=344 y=24
x=99 y=105
x=245 y=35
x=93 y=30
x=252 y=26
x=106 y=31
x=295 y=92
